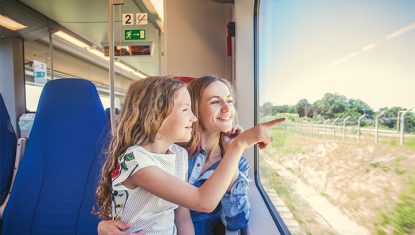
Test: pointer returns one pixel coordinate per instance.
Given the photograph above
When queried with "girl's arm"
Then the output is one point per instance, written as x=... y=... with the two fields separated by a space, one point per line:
x=171 y=188
x=183 y=221
x=207 y=197
x=226 y=139
x=235 y=177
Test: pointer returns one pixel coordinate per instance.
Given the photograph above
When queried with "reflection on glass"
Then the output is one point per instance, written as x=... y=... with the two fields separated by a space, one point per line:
x=342 y=74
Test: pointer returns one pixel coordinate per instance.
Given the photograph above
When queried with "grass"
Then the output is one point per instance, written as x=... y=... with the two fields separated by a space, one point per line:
x=398 y=169
x=385 y=168
x=410 y=143
x=394 y=218
x=279 y=137
x=281 y=141
x=379 y=165
x=393 y=142
x=401 y=220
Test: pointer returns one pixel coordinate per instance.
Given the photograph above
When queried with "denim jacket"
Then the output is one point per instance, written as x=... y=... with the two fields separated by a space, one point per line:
x=233 y=209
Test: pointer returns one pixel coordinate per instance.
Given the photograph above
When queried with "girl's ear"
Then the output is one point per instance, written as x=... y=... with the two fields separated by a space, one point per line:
x=158 y=135
x=156 y=124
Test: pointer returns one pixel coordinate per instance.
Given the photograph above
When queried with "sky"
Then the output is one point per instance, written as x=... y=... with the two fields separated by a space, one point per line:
x=360 y=49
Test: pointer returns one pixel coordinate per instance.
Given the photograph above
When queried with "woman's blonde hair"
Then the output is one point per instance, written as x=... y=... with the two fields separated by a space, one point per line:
x=147 y=104
x=196 y=89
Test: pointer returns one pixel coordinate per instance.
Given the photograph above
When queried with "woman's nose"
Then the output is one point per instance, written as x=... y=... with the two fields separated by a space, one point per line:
x=225 y=107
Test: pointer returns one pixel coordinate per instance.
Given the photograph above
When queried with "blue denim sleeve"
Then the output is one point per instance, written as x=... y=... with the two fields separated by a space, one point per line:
x=235 y=204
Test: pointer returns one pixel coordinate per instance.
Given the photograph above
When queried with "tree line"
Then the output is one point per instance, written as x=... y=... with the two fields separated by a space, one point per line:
x=333 y=105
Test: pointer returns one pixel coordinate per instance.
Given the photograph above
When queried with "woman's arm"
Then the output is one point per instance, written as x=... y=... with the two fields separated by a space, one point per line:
x=205 y=198
x=183 y=221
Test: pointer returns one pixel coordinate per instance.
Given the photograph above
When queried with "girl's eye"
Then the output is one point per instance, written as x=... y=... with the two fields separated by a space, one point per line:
x=185 y=110
x=230 y=101
x=215 y=102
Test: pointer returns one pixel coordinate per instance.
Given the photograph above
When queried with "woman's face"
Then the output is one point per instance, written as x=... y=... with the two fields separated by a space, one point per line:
x=216 y=108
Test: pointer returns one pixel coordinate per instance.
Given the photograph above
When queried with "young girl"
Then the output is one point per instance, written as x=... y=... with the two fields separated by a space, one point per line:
x=143 y=179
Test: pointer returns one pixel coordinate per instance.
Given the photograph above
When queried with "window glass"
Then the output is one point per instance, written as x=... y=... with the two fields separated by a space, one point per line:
x=342 y=74
x=37 y=73
x=35 y=80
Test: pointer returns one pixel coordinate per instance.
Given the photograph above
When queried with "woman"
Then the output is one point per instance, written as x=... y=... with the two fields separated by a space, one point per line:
x=213 y=105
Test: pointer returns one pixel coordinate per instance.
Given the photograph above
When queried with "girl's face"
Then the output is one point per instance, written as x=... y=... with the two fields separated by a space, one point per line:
x=216 y=108
x=177 y=127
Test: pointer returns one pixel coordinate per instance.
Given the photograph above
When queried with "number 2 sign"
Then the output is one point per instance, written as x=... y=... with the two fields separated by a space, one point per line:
x=128 y=19
x=132 y=19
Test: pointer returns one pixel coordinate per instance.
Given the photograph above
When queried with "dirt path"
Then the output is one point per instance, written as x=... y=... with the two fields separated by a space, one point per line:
x=340 y=222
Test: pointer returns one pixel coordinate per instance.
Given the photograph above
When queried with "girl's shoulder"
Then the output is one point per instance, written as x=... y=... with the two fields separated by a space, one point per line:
x=178 y=150
x=135 y=149
x=135 y=153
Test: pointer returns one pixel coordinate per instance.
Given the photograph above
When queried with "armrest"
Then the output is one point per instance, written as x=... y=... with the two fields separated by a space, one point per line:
x=228 y=232
x=21 y=146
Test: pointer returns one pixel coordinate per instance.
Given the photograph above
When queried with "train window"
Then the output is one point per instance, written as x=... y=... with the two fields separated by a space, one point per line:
x=34 y=89
x=341 y=73
x=37 y=73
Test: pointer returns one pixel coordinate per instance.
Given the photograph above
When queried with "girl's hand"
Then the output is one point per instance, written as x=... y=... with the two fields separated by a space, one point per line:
x=257 y=135
x=115 y=227
x=227 y=137
x=235 y=131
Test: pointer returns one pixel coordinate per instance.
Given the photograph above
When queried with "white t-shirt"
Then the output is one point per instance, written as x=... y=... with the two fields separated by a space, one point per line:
x=146 y=211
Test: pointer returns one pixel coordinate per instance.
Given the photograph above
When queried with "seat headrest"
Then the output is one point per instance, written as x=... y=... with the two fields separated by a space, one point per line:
x=64 y=98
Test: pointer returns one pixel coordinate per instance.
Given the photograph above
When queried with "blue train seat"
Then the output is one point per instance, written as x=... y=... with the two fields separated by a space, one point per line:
x=108 y=113
x=116 y=117
x=7 y=150
x=54 y=190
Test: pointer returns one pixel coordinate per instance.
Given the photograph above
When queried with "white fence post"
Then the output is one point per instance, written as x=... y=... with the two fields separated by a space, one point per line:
x=318 y=128
x=397 y=121
x=334 y=127
x=344 y=127
x=377 y=126
x=325 y=124
x=358 y=126
x=403 y=125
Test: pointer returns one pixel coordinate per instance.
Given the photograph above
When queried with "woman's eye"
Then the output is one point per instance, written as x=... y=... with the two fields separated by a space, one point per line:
x=215 y=102
x=230 y=101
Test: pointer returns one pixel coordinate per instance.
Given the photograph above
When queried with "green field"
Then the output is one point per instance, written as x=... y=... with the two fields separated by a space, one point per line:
x=371 y=183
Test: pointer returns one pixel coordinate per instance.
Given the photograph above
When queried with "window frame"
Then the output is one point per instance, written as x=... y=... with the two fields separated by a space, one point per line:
x=282 y=228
